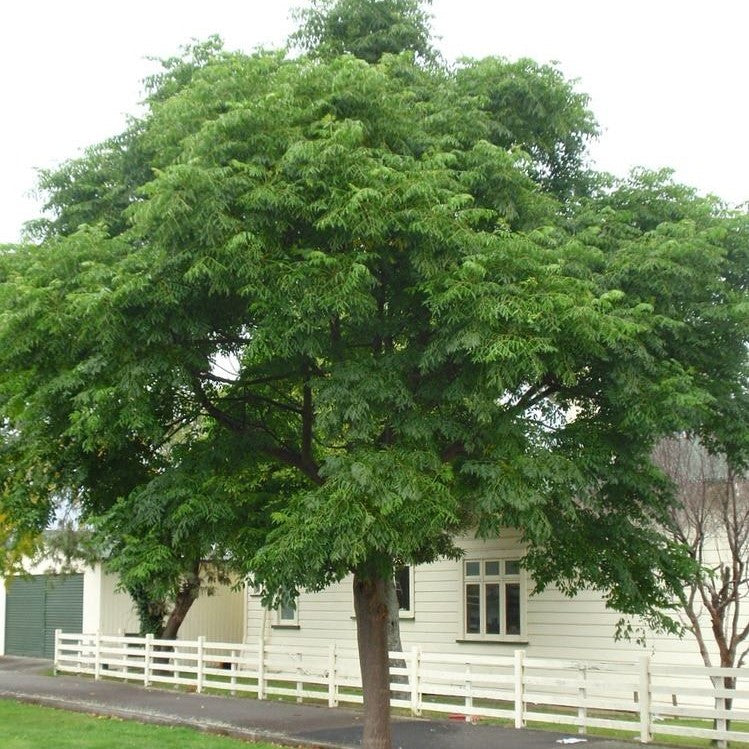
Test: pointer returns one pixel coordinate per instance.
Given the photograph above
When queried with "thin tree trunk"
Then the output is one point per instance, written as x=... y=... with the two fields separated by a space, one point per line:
x=370 y=606
x=187 y=595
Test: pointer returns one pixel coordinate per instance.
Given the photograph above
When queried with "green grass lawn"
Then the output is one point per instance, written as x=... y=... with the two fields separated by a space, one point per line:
x=31 y=727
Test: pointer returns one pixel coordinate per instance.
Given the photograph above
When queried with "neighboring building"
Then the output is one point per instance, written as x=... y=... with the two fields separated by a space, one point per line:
x=33 y=606
x=482 y=604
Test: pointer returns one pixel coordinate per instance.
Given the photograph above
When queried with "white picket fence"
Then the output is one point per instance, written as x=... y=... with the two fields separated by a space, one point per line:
x=642 y=698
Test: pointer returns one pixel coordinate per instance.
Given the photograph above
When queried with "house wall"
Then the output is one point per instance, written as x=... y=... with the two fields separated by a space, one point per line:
x=555 y=626
x=218 y=617
x=116 y=613
x=91 y=597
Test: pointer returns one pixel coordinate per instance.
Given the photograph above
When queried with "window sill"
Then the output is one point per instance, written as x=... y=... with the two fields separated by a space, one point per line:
x=408 y=617
x=494 y=640
x=285 y=626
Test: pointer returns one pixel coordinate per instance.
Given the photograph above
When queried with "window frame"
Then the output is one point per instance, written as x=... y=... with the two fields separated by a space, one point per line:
x=482 y=580
x=410 y=612
x=291 y=623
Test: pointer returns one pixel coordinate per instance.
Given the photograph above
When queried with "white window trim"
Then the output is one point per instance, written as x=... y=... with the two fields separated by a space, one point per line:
x=522 y=579
x=291 y=623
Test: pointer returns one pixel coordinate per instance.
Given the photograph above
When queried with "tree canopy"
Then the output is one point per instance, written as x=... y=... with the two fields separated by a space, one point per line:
x=330 y=28
x=400 y=298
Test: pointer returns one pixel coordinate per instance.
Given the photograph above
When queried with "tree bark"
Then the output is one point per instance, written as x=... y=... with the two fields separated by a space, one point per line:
x=187 y=595
x=371 y=609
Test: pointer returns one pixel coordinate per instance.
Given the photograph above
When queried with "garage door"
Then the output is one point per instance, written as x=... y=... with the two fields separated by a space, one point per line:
x=38 y=605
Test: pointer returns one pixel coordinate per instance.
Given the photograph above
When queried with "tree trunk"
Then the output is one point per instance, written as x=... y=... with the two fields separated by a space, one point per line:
x=188 y=594
x=371 y=609
x=394 y=637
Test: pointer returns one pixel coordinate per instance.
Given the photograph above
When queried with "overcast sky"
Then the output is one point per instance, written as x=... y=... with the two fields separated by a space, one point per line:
x=667 y=78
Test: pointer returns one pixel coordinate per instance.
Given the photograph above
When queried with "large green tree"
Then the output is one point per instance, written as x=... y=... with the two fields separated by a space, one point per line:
x=403 y=299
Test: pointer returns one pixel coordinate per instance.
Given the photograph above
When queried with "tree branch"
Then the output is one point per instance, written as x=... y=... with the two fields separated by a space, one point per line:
x=307 y=421
x=279 y=451
x=211 y=409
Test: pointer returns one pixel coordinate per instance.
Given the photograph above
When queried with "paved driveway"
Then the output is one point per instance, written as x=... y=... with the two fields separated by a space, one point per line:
x=16 y=663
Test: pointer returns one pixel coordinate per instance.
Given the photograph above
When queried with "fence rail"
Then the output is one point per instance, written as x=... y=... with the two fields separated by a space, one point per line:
x=641 y=698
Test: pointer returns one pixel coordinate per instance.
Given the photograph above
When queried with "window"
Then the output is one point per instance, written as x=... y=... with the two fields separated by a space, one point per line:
x=494 y=599
x=404 y=589
x=287 y=615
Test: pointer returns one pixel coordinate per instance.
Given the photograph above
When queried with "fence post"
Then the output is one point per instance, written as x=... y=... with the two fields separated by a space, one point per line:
x=519 y=688
x=97 y=656
x=123 y=654
x=201 y=663
x=469 y=687
x=56 y=665
x=644 y=700
x=582 y=695
x=332 y=665
x=415 y=666
x=233 y=669
x=261 y=670
x=721 y=724
x=147 y=658
x=299 y=673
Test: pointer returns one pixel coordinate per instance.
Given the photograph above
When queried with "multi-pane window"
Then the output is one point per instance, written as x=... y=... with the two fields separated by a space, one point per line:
x=493 y=598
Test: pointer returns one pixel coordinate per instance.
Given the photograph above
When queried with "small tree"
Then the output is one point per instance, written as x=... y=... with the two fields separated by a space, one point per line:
x=184 y=531
x=712 y=522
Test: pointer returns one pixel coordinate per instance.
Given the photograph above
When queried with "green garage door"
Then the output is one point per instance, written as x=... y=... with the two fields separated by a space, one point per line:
x=38 y=605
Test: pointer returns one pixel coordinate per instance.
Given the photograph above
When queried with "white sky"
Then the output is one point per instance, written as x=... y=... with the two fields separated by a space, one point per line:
x=667 y=78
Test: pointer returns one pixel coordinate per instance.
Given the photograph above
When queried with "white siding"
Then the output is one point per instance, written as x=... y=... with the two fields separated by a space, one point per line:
x=116 y=614
x=92 y=590
x=218 y=617
x=556 y=626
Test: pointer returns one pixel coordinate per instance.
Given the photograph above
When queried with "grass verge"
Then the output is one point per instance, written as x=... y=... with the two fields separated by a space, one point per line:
x=25 y=726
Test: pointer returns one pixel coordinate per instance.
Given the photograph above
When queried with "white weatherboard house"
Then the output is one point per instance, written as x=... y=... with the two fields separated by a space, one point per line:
x=33 y=606
x=483 y=604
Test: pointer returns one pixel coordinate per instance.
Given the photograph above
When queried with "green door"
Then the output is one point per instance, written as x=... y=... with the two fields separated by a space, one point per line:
x=24 y=616
x=38 y=605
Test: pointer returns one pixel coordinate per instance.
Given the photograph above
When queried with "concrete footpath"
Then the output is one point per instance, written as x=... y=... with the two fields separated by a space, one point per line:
x=279 y=722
